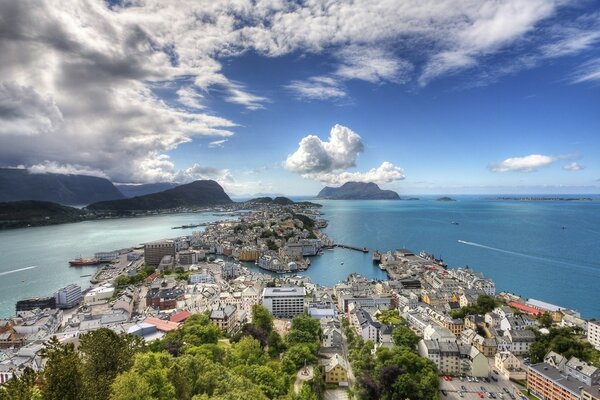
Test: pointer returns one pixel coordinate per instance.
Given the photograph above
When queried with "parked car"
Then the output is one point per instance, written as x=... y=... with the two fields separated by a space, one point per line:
x=444 y=392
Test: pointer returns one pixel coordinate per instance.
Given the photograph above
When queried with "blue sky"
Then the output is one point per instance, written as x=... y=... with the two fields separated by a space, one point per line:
x=418 y=96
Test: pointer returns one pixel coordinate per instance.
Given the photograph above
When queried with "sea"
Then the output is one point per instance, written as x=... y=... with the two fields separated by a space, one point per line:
x=546 y=250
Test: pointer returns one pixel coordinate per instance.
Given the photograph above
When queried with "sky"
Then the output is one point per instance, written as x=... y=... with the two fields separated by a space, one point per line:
x=273 y=96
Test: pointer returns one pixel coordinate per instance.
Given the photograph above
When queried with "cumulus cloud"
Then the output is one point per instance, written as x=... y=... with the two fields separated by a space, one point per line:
x=68 y=169
x=528 y=163
x=573 y=166
x=385 y=173
x=327 y=161
x=336 y=153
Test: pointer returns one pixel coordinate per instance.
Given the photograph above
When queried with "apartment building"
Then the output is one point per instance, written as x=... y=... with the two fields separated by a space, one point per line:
x=284 y=302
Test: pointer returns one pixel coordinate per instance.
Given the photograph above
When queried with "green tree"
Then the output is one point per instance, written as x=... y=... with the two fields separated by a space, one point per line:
x=390 y=317
x=247 y=352
x=262 y=318
x=296 y=357
x=62 y=373
x=21 y=387
x=405 y=337
x=130 y=386
x=105 y=354
x=545 y=320
x=276 y=345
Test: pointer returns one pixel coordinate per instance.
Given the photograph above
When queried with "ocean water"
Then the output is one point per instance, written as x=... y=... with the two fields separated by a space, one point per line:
x=521 y=245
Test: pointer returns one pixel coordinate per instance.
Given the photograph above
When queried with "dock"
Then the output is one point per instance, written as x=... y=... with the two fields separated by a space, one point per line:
x=350 y=247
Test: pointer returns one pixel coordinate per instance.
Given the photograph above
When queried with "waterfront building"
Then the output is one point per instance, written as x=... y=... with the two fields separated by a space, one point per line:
x=68 y=296
x=284 y=302
x=106 y=256
x=593 y=333
x=100 y=294
x=36 y=302
x=155 y=251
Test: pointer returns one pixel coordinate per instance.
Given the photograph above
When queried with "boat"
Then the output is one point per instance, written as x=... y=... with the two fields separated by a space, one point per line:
x=455 y=222
x=376 y=257
x=342 y=263
x=80 y=262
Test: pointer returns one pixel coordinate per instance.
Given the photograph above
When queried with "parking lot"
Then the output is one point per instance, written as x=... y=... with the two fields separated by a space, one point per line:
x=463 y=389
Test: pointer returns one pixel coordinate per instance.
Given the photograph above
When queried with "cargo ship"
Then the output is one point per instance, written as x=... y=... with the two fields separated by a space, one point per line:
x=80 y=262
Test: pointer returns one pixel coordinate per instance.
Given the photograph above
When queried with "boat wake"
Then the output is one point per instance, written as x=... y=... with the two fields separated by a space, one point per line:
x=550 y=260
x=17 y=270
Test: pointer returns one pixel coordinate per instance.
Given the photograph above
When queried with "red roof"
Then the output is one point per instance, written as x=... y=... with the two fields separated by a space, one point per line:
x=180 y=316
x=161 y=324
x=525 y=308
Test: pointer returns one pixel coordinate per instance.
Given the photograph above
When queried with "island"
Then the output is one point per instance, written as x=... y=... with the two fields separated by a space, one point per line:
x=446 y=199
x=357 y=191
x=20 y=214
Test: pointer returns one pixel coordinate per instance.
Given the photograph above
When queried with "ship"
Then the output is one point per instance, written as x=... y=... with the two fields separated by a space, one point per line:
x=80 y=262
x=432 y=258
x=376 y=257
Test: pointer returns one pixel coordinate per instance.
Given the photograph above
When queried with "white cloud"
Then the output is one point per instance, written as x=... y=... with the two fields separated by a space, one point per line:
x=528 y=163
x=336 y=153
x=385 y=173
x=189 y=97
x=68 y=169
x=573 y=166
x=317 y=88
x=588 y=72
x=327 y=161
x=372 y=64
x=217 y=143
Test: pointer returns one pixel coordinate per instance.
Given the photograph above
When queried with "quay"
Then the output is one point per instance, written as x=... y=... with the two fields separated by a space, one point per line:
x=350 y=247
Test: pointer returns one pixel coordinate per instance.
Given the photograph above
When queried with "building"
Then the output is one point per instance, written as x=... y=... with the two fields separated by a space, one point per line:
x=365 y=325
x=97 y=295
x=36 y=302
x=331 y=337
x=284 y=302
x=225 y=317
x=593 y=333
x=509 y=365
x=166 y=263
x=336 y=370
x=164 y=294
x=68 y=297
x=155 y=251
x=188 y=257
x=573 y=380
x=106 y=256
x=454 y=358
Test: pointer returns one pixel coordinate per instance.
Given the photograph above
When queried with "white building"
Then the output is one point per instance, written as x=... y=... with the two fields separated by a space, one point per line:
x=284 y=302
x=68 y=296
x=100 y=294
x=593 y=333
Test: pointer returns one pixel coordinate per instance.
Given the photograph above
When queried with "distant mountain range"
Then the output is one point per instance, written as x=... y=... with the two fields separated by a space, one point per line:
x=130 y=190
x=357 y=191
x=196 y=194
x=20 y=184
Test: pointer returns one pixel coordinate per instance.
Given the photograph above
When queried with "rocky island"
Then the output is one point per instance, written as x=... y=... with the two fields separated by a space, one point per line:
x=357 y=191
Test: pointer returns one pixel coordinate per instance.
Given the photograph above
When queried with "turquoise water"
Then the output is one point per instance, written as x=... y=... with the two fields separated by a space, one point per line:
x=521 y=245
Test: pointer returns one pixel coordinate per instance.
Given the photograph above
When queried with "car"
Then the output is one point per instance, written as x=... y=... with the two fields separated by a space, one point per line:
x=449 y=378
x=482 y=388
x=444 y=377
x=475 y=379
x=512 y=396
x=444 y=392
x=494 y=378
x=493 y=395
x=480 y=394
x=496 y=372
x=469 y=379
x=461 y=394
x=463 y=387
x=486 y=379
x=462 y=378
x=506 y=390
x=501 y=395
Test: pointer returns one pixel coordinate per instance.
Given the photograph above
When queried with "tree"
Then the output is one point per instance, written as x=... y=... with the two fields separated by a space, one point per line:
x=262 y=318
x=296 y=357
x=247 y=352
x=390 y=317
x=405 y=337
x=21 y=387
x=545 y=320
x=62 y=373
x=105 y=354
x=276 y=345
x=198 y=330
x=130 y=386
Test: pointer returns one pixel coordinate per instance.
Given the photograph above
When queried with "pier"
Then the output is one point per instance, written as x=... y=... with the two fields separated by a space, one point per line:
x=350 y=247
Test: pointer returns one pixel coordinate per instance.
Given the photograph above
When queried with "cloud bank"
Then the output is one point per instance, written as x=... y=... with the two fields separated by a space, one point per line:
x=326 y=161
x=532 y=163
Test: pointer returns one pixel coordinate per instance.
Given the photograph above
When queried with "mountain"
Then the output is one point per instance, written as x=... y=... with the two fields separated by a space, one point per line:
x=195 y=194
x=17 y=214
x=357 y=191
x=20 y=184
x=144 y=189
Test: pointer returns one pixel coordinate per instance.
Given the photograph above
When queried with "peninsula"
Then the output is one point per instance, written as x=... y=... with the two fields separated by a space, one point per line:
x=357 y=191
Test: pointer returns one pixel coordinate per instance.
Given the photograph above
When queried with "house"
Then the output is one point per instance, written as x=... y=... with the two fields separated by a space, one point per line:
x=492 y=319
x=225 y=317
x=365 y=325
x=509 y=366
x=521 y=340
x=331 y=337
x=336 y=370
x=487 y=346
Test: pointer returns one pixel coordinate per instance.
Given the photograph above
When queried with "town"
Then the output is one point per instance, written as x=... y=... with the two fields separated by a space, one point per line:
x=479 y=342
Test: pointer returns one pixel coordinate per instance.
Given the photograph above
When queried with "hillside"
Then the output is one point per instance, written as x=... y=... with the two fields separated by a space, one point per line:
x=17 y=214
x=20 y=184
x=196 y=194
x=357 y=191
x=129 y=190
